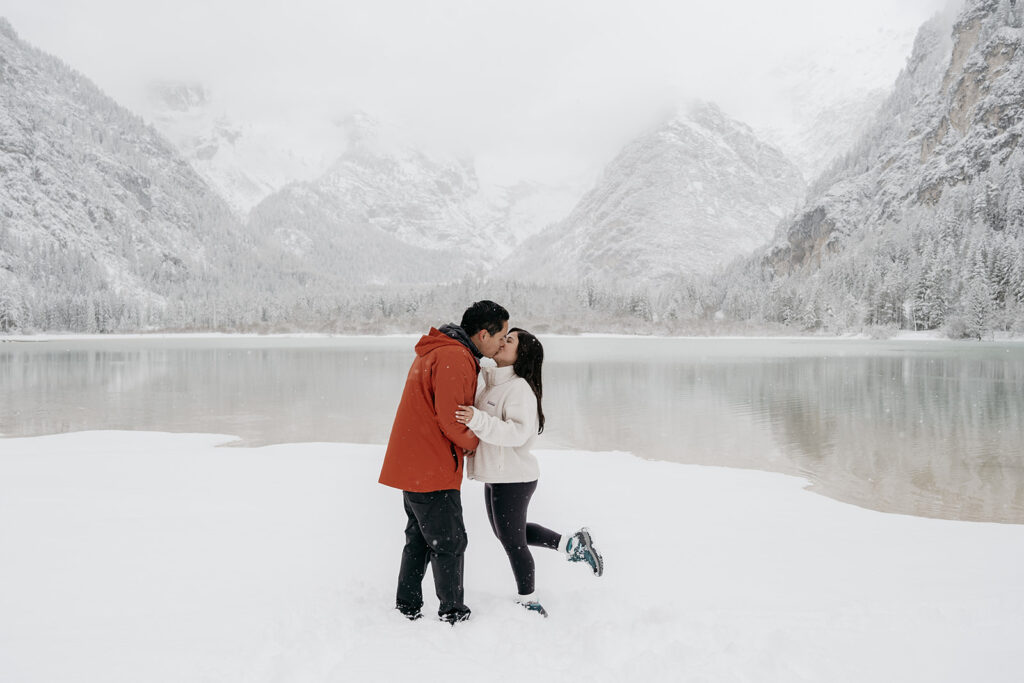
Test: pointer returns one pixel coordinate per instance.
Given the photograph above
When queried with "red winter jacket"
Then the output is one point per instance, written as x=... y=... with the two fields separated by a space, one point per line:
x=426 y=445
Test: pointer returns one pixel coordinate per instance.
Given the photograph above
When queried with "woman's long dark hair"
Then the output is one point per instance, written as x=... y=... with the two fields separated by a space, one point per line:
x=529 y=359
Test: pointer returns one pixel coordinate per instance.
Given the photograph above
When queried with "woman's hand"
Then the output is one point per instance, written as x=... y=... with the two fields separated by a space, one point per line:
x=464 y=414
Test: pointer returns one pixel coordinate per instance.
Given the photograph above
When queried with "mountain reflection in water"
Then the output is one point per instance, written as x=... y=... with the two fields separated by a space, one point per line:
x=928 y=428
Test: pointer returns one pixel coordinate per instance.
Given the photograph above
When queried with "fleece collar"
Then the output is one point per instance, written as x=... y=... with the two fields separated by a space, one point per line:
x=495 y=376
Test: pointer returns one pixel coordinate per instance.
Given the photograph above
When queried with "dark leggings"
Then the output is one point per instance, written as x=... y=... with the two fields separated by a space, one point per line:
x=506 y=510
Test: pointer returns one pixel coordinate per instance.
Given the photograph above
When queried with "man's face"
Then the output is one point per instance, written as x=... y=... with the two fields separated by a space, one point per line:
x=490 y=344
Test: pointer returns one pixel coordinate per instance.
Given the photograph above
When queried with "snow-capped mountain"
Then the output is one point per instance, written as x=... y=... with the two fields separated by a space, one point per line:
x=699 y=190
x=922 y=223
x=94 y=202
x=104 y=225
x=245 y=161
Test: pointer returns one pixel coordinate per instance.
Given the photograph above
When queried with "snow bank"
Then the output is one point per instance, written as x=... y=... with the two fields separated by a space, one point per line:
x=133 y=556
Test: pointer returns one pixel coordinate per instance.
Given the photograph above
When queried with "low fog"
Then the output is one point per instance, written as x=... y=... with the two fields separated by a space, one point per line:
x=545 y=91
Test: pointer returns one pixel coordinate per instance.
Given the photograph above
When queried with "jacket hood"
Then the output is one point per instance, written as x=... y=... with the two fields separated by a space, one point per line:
x=456 y=332
x=448 y=335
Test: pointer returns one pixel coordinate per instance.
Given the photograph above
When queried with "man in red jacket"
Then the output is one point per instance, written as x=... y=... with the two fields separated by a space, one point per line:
x=425 y=451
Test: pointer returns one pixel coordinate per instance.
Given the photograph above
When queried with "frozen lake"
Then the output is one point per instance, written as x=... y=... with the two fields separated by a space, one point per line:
x=928 y=428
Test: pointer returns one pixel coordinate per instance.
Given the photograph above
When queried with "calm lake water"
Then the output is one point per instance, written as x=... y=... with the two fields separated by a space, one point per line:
x=930 y=428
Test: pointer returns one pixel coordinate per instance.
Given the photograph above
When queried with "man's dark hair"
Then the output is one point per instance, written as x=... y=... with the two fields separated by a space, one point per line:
x=484 y=315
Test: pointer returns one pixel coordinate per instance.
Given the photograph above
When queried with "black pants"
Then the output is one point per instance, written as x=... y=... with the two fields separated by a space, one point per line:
x=506 y=510
x=434 y=534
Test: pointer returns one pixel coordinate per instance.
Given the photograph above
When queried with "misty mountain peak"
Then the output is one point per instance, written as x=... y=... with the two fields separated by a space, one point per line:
x=179 y=96
x=703 y=113
x=7 y=30
x=361 y=128
x=680 y=200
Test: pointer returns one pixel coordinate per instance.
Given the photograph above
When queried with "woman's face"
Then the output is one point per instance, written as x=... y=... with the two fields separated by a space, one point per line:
x=509 y=350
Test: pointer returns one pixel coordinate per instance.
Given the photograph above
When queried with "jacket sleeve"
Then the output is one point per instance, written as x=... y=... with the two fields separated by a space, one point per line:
x=454 y=385
x=520 y=421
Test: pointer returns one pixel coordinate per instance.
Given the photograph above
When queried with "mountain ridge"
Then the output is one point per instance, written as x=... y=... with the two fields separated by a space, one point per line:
x=683 y=198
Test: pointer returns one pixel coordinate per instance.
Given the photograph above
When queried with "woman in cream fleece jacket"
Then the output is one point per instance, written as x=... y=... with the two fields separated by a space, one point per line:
x=507 y=418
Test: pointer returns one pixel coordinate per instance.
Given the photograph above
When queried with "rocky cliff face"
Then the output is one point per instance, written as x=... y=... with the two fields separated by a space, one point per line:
x=683 y=199
x=921 y=225
x=954 y=120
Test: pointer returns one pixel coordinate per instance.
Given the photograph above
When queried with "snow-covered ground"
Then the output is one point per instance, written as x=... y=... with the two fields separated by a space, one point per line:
x=135 y=556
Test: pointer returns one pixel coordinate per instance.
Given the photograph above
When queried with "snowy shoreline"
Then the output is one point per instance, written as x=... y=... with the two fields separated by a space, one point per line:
x=163 y=557
x=904 y=336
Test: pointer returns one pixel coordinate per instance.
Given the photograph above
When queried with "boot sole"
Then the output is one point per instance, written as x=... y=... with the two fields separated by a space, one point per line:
x=589 y=545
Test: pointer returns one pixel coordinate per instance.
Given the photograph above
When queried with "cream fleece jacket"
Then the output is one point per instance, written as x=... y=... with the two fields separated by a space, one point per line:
x=505 y=420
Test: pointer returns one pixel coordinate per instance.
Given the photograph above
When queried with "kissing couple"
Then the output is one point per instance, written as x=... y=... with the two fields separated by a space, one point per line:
x=448 y=416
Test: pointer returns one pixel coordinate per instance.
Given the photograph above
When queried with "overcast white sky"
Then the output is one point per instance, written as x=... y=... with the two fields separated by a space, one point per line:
x=531 y=88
